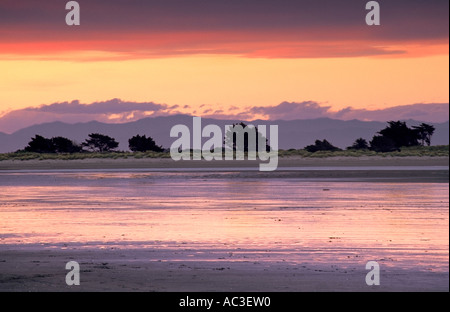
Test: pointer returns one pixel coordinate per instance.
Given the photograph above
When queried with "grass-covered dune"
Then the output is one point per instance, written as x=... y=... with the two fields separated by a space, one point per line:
x=429 y=151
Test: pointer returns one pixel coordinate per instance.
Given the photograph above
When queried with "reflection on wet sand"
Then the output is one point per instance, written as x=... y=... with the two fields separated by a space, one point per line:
x=402 y=224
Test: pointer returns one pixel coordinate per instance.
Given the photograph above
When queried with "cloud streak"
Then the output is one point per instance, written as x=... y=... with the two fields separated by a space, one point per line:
x=254 y=28
x=114 y=106
x=118 y=111
x=111 y=111
x=430 y=112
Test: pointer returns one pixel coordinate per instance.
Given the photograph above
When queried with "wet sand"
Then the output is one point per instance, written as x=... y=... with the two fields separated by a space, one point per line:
x=149 y=270
x=186 y=267
x=155 y=163
x=288 y=167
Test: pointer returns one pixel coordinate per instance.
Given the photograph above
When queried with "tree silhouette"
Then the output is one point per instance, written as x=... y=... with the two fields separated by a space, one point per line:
x=64 y=145
x=359 y=144
x=39 y=144
x=321 y=146
x=240 y=129
x=142 y=144
x=424 y=133
x=400 y=134
x=100 y=143
x=382 y=144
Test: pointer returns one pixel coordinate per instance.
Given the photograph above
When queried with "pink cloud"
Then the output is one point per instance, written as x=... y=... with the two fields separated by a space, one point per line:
x=431 y=112
x=118 y=111
x=254 y=28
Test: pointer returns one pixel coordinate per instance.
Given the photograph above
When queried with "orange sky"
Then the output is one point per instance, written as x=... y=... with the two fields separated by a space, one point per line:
x=240 y=63
x=228 y=80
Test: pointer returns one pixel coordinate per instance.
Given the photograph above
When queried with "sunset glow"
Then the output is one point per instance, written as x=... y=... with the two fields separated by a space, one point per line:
x=222 y=60
x=225 y=81
x=260 y=147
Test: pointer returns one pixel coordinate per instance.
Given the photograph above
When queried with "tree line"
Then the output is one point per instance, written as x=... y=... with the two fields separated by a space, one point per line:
x=392 y=138
x=95 y=143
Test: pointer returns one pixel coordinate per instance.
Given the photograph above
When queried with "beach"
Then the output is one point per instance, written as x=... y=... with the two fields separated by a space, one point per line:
x=160 y=226
x=168 y=163
x=376 y=168
x=122 y=270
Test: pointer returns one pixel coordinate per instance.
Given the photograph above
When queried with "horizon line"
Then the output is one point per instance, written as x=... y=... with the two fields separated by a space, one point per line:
x=220 y=119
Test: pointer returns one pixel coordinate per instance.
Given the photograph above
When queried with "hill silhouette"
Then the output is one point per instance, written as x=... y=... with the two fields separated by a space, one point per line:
x=292 y=134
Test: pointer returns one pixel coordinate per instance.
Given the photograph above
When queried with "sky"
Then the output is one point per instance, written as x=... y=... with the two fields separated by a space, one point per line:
x=247 y=59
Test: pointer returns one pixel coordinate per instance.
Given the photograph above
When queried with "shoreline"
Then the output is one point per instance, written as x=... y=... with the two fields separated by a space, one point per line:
x=155 y=163
x=368 y=168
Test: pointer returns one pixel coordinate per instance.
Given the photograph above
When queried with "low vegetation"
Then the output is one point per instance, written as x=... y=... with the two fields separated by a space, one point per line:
x=430 y=151
x=396 y=140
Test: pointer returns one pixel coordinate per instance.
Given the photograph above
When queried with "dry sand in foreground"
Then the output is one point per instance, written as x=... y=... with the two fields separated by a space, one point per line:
x=160 y=271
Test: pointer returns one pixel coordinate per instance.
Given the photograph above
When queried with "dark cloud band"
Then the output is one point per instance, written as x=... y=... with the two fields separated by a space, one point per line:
x=114 y=106
x=132 y=24
x=118 y=111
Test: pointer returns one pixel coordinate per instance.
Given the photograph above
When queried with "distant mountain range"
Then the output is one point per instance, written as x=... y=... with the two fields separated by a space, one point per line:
x=292 y=134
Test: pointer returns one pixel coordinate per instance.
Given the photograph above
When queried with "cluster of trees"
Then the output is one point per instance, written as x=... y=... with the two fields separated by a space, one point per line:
x=321 y=146
x=230 y=139
x=392 y=138
x=95 y=143
x=40 y=144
